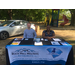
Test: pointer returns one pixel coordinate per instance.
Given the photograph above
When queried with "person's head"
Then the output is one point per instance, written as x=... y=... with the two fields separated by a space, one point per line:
x=48 y=27
x=28 y=25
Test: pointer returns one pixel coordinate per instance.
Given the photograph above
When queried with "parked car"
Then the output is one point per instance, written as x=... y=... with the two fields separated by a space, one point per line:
x=13 y=27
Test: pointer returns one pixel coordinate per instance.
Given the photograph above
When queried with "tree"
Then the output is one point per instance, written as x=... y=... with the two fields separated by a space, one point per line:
x=24 y=14
x=10 y=14
x=6 y=14
x=72 y=17
x=72 y=11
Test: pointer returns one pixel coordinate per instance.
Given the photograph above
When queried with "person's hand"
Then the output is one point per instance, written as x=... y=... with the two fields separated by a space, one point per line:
x=49 y=38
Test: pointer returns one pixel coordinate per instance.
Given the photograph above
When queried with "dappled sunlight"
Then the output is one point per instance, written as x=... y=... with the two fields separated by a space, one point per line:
x=65 y=33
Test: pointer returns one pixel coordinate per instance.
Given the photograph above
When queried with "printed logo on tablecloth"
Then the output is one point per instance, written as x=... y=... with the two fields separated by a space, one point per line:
x=54 y=52
x=25 y=51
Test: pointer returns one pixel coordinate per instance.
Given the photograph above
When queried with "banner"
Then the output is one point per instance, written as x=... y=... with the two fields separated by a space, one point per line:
x=30 y=54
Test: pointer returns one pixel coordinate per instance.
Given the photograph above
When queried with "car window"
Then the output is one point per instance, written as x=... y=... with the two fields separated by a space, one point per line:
x=24 y=22
x=6 y=23
x=20 y=23
x=16 y=23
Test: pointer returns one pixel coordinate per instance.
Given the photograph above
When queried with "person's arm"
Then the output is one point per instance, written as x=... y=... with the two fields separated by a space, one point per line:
x=43 y=36
x=35 y=34
x=52 y=36
x=24 y=36
x=47 y=37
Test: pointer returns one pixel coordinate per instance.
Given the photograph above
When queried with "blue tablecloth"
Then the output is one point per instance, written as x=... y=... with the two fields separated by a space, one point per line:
x=33 y=55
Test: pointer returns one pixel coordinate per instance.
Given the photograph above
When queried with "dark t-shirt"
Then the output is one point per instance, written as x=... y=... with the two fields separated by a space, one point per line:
x=51 y=33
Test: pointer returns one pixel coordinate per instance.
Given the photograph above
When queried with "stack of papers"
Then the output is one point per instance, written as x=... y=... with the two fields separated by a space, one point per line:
x=42 y=39
x=38 y=43
x=46 y=39
x=55 y=43
x=15 y=42
x=18 y=38
x=26 y=39
x=63 y=43
x=37 y=39
x=56 y=39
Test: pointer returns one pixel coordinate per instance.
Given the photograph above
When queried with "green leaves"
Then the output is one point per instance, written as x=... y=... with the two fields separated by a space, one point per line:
x=25 y=14
x=65 y=12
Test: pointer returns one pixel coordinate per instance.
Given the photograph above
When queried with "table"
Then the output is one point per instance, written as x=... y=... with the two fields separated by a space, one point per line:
x=43 y=52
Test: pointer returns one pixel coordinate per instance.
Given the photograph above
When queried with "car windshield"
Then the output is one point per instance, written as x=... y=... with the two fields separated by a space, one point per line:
x=6 y=23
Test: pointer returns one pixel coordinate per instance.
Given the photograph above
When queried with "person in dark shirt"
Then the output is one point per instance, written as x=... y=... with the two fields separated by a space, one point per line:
x=48 y=34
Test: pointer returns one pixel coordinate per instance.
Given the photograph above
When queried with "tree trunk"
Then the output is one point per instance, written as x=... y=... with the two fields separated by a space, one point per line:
x=72 y=18
x=10 y=14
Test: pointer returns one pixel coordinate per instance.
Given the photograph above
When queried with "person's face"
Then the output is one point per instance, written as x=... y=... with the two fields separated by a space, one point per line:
x=28 y=25
x=48 y=28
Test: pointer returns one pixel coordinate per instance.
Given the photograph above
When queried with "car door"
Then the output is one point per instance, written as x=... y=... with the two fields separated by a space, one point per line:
x=15 y=29
x=23 y=25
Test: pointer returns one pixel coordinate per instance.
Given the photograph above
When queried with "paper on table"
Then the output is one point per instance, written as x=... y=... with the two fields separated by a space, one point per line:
x=15 y=42
x=38 y=43
x=63 y=43
x=55 y=43
x=56 y=39
x=37 y=39
x=46 y=39
x=26 y=39
x=18 y=38
x=42 y=39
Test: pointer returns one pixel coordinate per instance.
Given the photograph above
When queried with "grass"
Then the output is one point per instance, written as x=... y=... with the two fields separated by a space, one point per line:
x=60 y=21
x=63 y=21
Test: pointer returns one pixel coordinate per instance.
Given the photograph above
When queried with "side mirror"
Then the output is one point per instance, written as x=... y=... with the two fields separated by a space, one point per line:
x=12 y=25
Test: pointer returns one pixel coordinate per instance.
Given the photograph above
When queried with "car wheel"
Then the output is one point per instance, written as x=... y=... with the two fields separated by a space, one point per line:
x=4 y=35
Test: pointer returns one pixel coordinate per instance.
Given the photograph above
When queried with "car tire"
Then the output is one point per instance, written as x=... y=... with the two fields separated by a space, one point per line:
x=4 y=35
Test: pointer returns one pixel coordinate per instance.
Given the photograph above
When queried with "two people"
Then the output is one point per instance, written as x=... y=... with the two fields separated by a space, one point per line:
x=31 y=33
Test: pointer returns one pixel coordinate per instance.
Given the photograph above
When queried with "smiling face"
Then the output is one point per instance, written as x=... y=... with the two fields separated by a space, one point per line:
x=28 y=25
x=48 y=28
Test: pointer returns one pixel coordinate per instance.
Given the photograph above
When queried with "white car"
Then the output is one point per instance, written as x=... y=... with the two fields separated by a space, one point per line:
x=13 y=27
